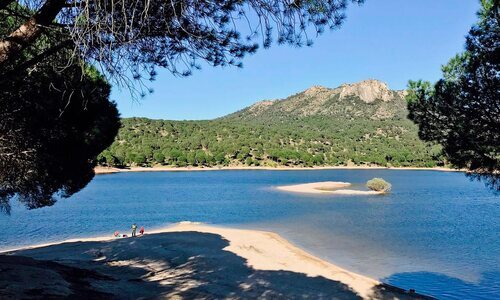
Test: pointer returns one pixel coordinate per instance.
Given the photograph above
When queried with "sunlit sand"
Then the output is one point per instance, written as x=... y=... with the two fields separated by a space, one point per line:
x=326 y=187
x=186 y=260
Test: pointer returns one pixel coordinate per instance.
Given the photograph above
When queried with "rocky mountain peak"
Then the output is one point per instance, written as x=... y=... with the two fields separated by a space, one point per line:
x=367 y=90
x=316 y=90
x=365 y=99
x=261 y=105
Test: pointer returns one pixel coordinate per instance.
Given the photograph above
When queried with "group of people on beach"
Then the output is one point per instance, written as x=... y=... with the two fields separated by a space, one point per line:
x=134 y=229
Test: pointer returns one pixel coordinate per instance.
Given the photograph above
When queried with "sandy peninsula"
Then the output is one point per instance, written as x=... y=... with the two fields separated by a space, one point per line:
x=185 y=261
x=326 y=187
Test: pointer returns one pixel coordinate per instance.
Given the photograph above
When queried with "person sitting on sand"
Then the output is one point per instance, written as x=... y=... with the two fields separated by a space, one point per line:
x=141 y=231
x=134 y=228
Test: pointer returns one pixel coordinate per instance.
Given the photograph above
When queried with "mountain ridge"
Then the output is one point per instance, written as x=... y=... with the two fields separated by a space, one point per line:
x=373 y=95
x=360 y=123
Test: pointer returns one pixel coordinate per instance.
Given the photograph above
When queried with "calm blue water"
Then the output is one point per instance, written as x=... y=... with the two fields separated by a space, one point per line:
x=436 y=232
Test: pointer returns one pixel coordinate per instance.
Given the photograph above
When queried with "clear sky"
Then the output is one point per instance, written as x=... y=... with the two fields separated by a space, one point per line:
x=389 y=40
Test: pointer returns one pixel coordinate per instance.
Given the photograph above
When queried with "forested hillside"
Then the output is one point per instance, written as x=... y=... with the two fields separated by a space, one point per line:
x=361 y=124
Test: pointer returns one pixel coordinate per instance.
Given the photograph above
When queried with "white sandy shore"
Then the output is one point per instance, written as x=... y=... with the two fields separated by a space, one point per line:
x=325 y=187
x=269 y=251
x=110 y=170
x=261 y=250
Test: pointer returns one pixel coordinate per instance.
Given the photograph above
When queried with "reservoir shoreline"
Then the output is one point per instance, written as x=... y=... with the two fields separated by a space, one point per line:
x=111 y=170
x=261 y=250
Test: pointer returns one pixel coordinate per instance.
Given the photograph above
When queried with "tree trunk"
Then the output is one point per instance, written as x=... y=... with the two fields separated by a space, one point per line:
x=27 y=33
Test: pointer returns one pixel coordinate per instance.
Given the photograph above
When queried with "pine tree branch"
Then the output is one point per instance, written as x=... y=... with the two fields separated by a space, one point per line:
x=18 y=40
x=35 y=60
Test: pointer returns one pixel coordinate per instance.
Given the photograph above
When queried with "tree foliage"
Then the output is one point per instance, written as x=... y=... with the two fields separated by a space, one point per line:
x=462 y=110
x=302 y=142
x=379 y=185
x=50 y=134
x=129 y=38
x=54 y=121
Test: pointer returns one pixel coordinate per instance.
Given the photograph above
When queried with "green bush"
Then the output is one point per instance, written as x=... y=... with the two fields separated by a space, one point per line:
x=379 y=185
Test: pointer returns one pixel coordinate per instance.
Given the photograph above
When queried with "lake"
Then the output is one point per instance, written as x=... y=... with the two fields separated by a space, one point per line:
x=436 y=232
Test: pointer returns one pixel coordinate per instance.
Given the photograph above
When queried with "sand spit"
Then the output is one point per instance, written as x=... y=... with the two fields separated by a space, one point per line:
x=186 y=261
x=325 y=187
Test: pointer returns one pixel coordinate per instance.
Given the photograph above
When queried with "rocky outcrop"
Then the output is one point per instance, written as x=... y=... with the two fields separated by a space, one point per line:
x=316 y=90
x=259 y=106
x=367 y=90
x=365 y=99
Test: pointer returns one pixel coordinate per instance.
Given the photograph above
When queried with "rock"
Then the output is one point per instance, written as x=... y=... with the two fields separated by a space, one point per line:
x=367 y=90
x=365 y=99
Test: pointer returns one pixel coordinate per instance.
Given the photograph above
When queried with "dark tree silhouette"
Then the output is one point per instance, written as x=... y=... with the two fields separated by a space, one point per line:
x=53 y=125
x=462 y=110
x=55 y=118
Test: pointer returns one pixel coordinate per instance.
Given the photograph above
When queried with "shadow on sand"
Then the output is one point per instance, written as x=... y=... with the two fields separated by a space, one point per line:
x=183 y=265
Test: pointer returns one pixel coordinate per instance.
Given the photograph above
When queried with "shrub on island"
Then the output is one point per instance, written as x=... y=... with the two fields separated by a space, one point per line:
x=379 y=185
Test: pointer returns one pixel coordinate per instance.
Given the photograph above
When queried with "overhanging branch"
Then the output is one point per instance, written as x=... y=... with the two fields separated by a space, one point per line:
x=35 y=60
x=28 y=32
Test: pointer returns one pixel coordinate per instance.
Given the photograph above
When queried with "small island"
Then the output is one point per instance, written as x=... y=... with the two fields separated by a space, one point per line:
x=377 y=186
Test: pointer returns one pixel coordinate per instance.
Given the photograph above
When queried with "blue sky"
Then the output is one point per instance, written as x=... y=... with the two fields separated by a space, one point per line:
x=389 y=40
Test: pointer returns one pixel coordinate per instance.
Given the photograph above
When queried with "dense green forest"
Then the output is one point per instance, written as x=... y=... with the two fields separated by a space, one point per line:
x=345 y=131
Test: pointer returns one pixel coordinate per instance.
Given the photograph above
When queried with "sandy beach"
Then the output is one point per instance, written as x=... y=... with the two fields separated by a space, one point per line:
x=185 y=261
x=325 y=187
x=110 y=170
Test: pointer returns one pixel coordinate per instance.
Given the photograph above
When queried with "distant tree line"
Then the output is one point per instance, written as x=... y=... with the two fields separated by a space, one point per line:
x=305 y=142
